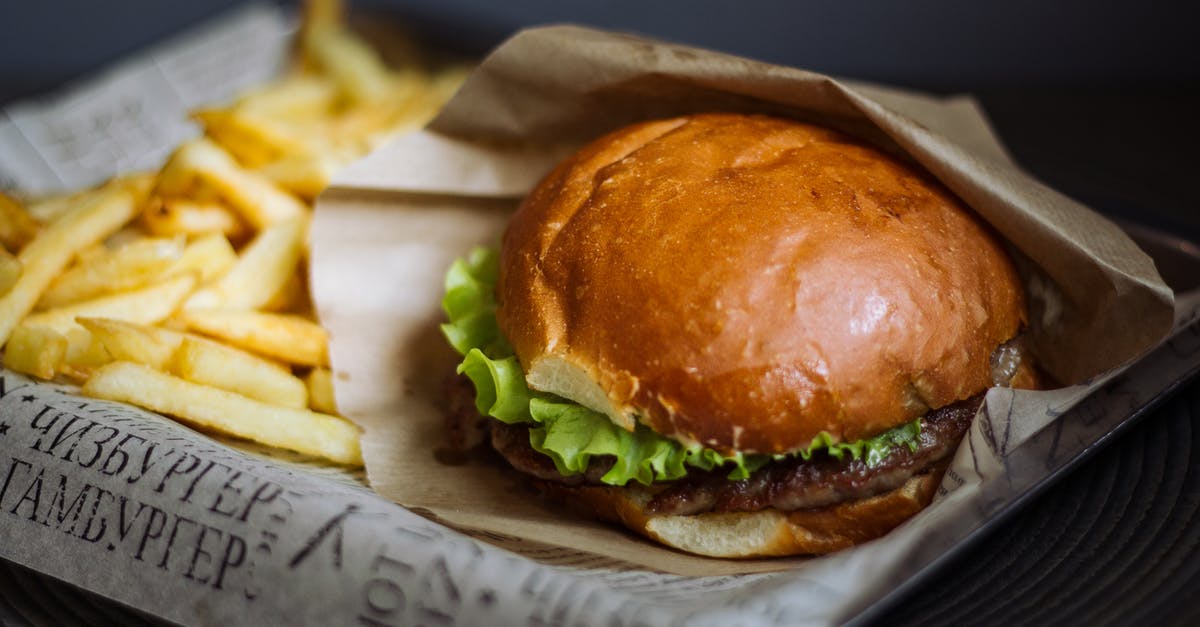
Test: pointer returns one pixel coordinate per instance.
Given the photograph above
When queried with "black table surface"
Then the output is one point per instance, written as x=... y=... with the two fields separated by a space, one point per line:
x=1117 y=539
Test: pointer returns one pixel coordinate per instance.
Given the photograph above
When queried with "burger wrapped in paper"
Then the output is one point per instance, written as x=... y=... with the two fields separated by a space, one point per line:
x=737 y=335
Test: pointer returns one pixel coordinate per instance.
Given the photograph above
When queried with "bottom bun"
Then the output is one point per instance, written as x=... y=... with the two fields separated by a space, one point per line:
x=763 y=533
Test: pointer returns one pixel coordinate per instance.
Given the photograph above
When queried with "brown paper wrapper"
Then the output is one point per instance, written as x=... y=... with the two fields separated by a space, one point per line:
x=389 y=227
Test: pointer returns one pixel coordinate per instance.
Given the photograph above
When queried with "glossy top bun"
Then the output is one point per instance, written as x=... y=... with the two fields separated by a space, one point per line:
x=747 y=282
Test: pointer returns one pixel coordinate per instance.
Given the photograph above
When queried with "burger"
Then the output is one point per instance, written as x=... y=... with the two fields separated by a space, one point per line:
x=737 y=335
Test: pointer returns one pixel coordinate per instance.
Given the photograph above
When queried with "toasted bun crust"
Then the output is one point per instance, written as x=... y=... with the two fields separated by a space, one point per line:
x=747 y=282
x=763 y=533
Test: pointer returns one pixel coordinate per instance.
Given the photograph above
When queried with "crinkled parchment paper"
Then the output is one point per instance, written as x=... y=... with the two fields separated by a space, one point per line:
x=390 y=226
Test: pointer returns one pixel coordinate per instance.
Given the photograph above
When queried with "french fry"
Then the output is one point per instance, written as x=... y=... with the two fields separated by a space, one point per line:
x=50 y=208
x=185 y=216
x=17 y=227
x=254 y=197
x=10 y=271
x=44 y=257
x=320 y=391
x=124 y=236
x=253 y=138
x=148 y=305
x=446 y=82
x=91 y=253
x=130 y=266
x=84 y=354
x=292 y=297
x=209 y=257
x=119 y=310
x=319 y=15
x=35 y=350
x=354 y=66
x=139 y=184
x=286 y=337
x=303 y=175
x=368 y=124
x=299 y=430
x=211 y=363
x=139 y=343
x=295 y=98
x=266 y=264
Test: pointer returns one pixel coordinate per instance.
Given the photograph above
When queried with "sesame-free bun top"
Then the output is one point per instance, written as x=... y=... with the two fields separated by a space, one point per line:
x=747 y=282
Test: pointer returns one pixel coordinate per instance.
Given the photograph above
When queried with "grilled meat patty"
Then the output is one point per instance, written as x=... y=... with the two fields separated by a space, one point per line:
x=789 y=484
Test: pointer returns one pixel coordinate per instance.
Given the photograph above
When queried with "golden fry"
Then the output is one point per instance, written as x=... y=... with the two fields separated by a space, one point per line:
x=184 y=216
x=299 y=430
x=148 y=305
x=254 y=139
x=85 y=353
x=118 y=306
x=292 y=297
x=446 y=82
x=254 y=197
x=208 y=257
x=211 y=363
x=133 y=265
x=17 y=227
x=10 y=271
x=266 y=264
x=252 y=145
x=35 y=350
x=139 y=184
x=298 y=97
x=139 y=343
x=356 y=68
x=124 y=236
x=303 y=175
x=286 y=337
x=44 y=257
x=320 y=391
x=368 y=125
x=48 y=209
x=321 y=14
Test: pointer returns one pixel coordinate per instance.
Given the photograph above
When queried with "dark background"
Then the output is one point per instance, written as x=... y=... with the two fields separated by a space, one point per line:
x=935 y=44
x=1098 y=99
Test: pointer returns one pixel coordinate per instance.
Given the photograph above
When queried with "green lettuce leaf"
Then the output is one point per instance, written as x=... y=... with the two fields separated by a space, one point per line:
x=500 y=390
x=470 y=305
x=571 y=434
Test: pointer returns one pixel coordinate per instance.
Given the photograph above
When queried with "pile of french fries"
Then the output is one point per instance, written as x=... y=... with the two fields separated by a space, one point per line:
x=184 y=291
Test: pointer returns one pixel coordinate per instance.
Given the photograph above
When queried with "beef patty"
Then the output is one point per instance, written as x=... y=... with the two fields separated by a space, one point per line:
x=789 y=484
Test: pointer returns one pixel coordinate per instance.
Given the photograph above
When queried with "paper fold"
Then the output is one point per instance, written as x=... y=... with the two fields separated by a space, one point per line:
x=390 y=226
